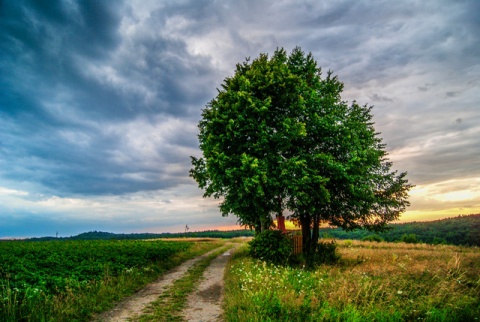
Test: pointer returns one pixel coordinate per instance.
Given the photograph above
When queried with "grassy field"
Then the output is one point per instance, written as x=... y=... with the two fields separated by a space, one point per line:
x=372 y=282
x=72 y=280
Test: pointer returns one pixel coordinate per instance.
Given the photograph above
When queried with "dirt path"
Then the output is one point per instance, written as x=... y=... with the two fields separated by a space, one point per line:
x=205 y=304
x=134 y=305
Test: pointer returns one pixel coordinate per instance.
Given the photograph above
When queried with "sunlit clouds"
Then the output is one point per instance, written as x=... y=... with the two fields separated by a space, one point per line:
x=100 y=101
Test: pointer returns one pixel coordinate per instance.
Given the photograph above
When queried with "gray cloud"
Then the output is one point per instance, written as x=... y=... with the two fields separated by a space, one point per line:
x=75 y=76
x=102 y=99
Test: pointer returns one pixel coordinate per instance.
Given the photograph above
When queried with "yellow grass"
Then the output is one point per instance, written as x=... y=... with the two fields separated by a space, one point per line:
x=372 y=281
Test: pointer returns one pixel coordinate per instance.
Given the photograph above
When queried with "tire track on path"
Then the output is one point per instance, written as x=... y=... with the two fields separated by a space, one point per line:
x=205 y=303
x=134 y=305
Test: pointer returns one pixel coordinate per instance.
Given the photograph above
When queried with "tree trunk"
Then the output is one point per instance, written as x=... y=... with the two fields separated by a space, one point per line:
x=306 y=235
x=281 y=223
x=264 y=223
x=316 y=231
x=280 y=217
x=258 y=229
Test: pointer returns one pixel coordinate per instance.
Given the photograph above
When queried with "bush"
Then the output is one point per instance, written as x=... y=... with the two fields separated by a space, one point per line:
x=348 y=243
x=271 y=246
x=326 y=253
x=372 y=238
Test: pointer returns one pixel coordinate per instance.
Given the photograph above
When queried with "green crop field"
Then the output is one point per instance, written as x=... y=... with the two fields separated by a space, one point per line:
x=71 y=280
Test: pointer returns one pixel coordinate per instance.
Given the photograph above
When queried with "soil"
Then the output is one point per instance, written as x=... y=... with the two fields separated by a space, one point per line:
x=204 y=304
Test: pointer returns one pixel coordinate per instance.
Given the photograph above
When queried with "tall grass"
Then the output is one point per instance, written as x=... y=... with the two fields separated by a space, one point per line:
x=372 y=282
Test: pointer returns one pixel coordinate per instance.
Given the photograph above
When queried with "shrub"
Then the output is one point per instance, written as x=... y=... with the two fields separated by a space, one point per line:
x=326 y=253
x=348 y=243
x=372 y=238
x=271 y=246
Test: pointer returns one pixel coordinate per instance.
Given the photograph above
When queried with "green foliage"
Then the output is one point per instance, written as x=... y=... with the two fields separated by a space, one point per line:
x=326 y=253
x=461 y=230
x=374 y=238
x=271 y=246
x=53 y=266
x=438 y=241
x=100 y=235
x=35 y=275
x=278 y=135
x=409 y=238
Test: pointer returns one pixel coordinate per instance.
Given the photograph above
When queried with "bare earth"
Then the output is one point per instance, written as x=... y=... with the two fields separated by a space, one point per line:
x=134 y=305
x=205 y=304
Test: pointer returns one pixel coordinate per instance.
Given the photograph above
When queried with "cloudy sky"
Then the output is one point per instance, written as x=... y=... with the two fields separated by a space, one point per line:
x=100 y=101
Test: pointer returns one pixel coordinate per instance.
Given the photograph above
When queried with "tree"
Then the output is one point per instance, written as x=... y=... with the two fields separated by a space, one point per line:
x=279 y=136
x=409 y=239
x=242 y=135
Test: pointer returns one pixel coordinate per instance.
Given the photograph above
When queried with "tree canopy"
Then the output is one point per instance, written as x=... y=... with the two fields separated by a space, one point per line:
x=278 y=136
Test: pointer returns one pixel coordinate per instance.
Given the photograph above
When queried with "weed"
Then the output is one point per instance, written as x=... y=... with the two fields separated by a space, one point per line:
x=390 y=282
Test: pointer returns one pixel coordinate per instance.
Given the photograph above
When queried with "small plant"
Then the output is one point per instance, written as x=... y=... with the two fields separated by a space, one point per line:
x=271 y=246
x=348 y=243
x=326 y=253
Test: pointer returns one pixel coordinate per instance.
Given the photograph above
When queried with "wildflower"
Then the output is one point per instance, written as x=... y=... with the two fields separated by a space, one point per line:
x=399 y=292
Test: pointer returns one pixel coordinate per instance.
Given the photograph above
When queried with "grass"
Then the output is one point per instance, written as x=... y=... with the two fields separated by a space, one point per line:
x=171 y=303
x=372 y=282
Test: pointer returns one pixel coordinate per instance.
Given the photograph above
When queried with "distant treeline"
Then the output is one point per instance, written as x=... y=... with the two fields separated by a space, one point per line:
x=100 y=235
x=461 y=230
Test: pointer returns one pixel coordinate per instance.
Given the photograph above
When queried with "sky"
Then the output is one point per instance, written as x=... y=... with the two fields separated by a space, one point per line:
x=100 y=101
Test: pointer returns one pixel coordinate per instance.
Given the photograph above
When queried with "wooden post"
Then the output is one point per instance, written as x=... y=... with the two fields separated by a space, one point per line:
x=297 y=244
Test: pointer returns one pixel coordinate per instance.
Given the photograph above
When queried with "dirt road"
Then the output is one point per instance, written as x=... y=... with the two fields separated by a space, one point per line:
x=203 y=305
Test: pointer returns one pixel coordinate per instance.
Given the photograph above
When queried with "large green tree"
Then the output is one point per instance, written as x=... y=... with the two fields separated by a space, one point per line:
x=278 y=136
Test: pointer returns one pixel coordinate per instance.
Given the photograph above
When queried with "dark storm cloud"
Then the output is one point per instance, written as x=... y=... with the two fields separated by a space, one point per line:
x=41 y=44
x=68 y=72
x=102 y=98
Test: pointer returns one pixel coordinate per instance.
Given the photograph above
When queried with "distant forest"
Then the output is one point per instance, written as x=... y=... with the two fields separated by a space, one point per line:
x=461 y=230
x=98 y=235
